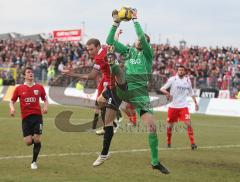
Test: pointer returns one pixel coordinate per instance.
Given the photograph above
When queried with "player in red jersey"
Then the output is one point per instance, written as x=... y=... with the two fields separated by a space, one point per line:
x=180 y=88
x=31 y=112
x=98 y=53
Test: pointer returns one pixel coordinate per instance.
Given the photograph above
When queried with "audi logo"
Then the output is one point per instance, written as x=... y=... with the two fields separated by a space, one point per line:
x=30 y=99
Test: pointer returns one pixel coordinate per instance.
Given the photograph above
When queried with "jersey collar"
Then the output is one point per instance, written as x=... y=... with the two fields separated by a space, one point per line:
x=28 y=85
x=179 y=77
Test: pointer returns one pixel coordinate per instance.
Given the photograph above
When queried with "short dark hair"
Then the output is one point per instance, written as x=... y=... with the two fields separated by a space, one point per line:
x=182 y=66
x=25 y=69
x=94 y=41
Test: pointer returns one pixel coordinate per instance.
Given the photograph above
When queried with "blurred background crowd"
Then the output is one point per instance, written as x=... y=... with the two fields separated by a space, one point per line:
x=217 y=67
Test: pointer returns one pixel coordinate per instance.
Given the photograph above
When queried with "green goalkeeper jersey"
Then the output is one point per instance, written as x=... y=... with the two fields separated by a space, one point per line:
x=138 y=64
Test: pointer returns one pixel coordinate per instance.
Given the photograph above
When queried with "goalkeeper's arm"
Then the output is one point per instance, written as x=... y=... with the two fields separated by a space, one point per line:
x=119 y=47
x=147 y=50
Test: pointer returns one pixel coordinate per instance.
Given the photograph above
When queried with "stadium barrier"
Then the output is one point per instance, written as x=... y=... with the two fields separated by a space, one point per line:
x=73 y=96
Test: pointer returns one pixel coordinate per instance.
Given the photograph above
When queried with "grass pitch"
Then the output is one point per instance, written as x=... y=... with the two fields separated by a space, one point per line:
x=68 y=156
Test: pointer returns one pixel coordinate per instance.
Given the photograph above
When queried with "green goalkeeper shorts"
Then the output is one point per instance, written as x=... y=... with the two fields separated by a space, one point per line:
x=138 y=97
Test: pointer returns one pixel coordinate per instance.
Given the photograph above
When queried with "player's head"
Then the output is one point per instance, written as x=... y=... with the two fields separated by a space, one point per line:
x=138 y=43
x=28 y=74
x=93 y=46
x=111 y=57
x=181 y=71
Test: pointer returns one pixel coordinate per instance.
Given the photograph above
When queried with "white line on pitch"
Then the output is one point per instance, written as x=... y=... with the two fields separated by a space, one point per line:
x=119 y=151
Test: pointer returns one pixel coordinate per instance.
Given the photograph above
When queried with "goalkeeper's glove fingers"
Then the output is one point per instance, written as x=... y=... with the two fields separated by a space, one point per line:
x=115 y=16
x=134 y=13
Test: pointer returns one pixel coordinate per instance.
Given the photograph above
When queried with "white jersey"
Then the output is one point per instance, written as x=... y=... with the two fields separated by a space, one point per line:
x=180 y=89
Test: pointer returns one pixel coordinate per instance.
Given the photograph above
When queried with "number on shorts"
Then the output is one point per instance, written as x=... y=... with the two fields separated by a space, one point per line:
x=187 y=116
x=40 y=127
x=109 y=100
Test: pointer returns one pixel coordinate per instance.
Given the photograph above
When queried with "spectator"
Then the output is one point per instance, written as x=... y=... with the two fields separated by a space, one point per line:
x=50 y=73
x=208 y=67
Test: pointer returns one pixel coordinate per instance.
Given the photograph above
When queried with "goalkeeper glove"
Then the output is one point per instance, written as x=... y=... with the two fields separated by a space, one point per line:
x=134 y=13
x=115 y=16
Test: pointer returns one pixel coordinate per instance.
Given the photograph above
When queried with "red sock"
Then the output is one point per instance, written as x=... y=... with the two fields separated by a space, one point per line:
x=190 y=134
x=128 y=114
x=169 y=135
x=133 y=118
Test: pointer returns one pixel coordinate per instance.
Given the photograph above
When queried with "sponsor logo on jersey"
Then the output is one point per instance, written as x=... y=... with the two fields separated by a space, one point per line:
x=30 y=99
x=36 y=92
x=135 y=61
x=182 y=88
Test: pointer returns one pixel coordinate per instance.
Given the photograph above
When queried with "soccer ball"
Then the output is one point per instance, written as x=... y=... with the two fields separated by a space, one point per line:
x=125 y=14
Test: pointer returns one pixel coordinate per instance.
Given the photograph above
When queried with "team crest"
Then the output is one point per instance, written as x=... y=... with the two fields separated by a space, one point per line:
x=36 y=92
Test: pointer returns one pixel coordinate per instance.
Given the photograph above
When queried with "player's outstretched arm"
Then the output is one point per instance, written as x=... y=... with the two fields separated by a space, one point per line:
x=119 y=47
x=147 y=50
x=90 y=76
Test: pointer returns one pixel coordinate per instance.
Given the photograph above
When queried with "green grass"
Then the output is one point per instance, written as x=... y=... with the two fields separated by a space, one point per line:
x=215 y=165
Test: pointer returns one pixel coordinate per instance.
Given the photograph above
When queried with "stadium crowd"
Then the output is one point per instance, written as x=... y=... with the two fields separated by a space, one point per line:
x=208 y=67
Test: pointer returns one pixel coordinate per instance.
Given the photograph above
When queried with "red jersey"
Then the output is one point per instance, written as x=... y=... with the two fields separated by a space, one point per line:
x=29 y=99
x=101 y=64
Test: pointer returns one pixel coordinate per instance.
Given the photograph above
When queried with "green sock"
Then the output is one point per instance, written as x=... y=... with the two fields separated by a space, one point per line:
x=153 y=142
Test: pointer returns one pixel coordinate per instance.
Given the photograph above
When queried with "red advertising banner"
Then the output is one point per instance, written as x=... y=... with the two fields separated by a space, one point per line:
x=67 y=35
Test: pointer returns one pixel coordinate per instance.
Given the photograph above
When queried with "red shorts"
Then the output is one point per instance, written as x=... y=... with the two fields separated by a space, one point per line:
x=178 y=114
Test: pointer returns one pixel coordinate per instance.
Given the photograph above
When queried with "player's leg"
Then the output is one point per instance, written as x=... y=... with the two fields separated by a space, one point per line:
x=113 y=103
x=107 y=138
x=37 y=130
x=172 y=118
x=133 y=114
x=96 y=116
x=102 y=101
x=97 y=106
x=119 y=116
x=141 y=101
x=102 y=105
x=185 y=117
x=27 y=130
x=130 y=111
x=28 y=140
x=169 y=134
x=191 y=136
x=109 y=117
x=36 y=149
x=148 y=119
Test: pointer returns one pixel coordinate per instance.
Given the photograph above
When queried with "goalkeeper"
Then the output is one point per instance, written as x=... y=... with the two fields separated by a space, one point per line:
x=133 y=80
